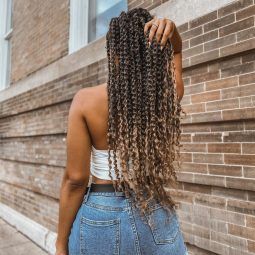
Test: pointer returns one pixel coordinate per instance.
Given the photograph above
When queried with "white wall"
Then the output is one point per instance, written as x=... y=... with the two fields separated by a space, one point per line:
x=181 y=11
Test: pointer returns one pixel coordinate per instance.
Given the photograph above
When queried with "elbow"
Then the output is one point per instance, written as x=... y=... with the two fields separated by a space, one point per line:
x=76 y=181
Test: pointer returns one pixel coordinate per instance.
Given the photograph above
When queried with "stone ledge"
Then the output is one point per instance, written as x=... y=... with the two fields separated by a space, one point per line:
x=36 y=232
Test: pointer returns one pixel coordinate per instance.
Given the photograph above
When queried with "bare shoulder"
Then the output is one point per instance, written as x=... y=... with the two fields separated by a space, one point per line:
x=87 y=98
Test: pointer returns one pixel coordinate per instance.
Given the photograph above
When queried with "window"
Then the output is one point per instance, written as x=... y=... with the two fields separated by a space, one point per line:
x=5 y=46
x=89 y=20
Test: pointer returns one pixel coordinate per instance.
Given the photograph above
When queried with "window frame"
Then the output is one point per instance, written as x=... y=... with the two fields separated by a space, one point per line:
x=6 y=32
x=80 y=15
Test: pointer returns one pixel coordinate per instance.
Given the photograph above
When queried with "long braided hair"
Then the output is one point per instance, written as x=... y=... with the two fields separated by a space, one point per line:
x=144 y=112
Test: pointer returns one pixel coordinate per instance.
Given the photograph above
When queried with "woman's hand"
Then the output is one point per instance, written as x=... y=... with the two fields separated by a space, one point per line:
x=60 y=249
x=164 y=29
x=61 y=253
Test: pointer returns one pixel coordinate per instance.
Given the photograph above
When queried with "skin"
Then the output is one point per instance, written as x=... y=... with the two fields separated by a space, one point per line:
x=87 y=126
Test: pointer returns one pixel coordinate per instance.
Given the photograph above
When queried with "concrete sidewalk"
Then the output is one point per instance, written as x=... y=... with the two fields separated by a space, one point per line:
x=12 y=242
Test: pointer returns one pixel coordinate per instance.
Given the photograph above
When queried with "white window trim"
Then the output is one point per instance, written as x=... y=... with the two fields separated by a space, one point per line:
x=78 y=32
x=5 y=47
x=81 y=12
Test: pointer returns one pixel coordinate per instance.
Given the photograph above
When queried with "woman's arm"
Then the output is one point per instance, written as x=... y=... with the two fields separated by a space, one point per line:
x=178 y=75
x=76 y=174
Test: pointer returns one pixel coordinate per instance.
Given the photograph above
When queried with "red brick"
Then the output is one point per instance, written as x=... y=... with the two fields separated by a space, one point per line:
x=192 y=51
x=248 y=148
x=218 y=43
x=246 y=101
x=237 y=26
x=224 y=147
x=248 y=57
x=196 y=128
x=222 y=83
x=233 y=7
x=198 y=88
x=204 y=57
x=196 y=70
x=208 y=200
x=222 y=104
x=240 y=183
x=198 y=188
x=237 y=159
x=250 y=125
x=227 y=216
x=251 y=246
x=247 y=78
x=238 y=114
x=194 y=108
x=209 y=180
x=249 y=172
x=191 y=33
x=219 y=22
x=246 y=136
x=230 y=61
x=238 y=69
x=240 y=91
x=204 y=38
x=244 y=207
x=207 y=137
x=203 y=19
x=244 y=13
x=186 y=157
x=233 y=241
x=225 y=170
x=229 y=193
x=245 y=34
x=194 y=147
x=250 y=221
x=208 y=158
x=207 y=116
x=183 y=27
x=185 y=177
x=185 y=138
x=241 y=231
x=205 y=77
x=227 y=126
x=194 y=167
x=237 y=47
x=205 y=97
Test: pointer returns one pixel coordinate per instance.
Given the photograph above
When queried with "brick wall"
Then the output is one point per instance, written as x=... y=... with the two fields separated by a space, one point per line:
x=40 y=35
x=41 y=31
x=216 y=194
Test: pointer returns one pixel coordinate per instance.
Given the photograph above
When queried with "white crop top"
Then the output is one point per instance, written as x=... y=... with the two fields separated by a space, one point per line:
x=99 y=165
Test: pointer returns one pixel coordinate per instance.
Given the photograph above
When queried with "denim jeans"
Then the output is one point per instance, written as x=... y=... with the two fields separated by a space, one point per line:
x=107 y=223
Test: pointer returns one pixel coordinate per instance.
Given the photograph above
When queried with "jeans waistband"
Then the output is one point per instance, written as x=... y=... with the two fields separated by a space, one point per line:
x=94 y=187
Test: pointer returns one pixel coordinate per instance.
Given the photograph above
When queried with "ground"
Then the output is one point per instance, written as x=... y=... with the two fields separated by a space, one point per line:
x=13 y=242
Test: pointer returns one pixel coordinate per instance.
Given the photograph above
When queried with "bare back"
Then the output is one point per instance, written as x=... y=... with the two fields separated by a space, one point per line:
x=96 y=115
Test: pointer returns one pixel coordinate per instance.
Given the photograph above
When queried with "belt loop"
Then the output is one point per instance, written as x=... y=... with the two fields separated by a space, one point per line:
x=87 y=195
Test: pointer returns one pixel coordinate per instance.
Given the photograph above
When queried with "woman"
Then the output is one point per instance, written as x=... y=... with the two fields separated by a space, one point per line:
x=131 y=126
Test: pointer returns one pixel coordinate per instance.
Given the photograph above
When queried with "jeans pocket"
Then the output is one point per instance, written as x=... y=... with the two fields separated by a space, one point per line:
x=163 y=225
x=98 y=237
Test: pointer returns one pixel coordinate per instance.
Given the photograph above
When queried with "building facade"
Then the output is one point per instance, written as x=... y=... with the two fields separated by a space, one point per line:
x=51 y=49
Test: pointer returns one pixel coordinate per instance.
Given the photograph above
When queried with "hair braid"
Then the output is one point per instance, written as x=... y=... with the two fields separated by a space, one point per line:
x=144 y=111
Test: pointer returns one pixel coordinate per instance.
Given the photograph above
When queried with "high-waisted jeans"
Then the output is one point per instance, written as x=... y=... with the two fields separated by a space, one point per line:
x=107 y=223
